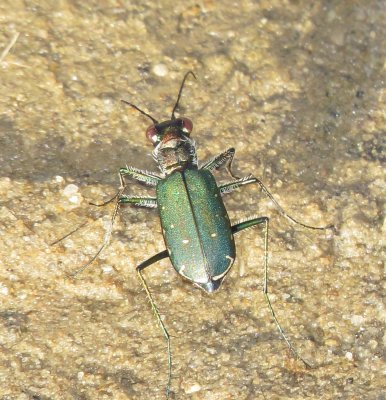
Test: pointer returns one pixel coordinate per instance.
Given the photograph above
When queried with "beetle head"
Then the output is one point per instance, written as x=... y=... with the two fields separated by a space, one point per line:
x=166 y=130
x=174 y=150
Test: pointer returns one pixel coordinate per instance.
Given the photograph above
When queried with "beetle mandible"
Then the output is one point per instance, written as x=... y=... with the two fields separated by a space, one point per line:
x=195 y=225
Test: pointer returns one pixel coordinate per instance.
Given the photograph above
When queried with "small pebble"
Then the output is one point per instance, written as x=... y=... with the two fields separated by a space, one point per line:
x=357 y=320
x=4 y=290
x=193 y=388
x=70 y=190
x=58 y=179
x=160 y=70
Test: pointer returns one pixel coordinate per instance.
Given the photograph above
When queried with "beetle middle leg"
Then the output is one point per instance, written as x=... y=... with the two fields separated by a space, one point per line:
x=248 y=224
x=149 y=178
x=282 y=211
x=140 y=268
x=140 y=201
x=231 y=186
x=150 y=202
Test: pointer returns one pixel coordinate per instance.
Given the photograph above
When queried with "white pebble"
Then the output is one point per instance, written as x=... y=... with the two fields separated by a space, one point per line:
x=4 y=290
x=107 y=269
x=357 y=320
x=193 y=388
x=74 y=199
x=70 y=190
x=160 y=70
x=58 y=179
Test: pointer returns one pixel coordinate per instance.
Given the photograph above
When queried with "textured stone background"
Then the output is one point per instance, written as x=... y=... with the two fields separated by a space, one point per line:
x=298 y=88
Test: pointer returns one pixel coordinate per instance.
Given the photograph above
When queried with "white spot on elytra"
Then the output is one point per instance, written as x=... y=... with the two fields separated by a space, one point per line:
x=171 y=226
x=213 y=234
x=181 y=270
x=185 y=241
x=220 y=276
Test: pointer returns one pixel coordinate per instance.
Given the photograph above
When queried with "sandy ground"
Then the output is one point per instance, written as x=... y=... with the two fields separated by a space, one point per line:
x=297 y=88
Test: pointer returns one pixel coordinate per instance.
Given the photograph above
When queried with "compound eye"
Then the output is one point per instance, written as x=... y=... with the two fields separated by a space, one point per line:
x=187 y=125
x=152 y=134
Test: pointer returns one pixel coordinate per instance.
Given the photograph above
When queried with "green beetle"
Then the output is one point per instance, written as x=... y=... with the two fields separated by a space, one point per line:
x=196 y=228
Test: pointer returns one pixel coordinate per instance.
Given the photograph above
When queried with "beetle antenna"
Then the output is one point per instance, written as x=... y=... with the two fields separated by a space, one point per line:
x=179 y=93
x=142 y=112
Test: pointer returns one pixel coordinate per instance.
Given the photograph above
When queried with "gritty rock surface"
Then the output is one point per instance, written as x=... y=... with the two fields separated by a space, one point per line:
x=298 y=89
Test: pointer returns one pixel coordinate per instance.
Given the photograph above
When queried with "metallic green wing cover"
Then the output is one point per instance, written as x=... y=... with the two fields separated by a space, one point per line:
x=196 y=227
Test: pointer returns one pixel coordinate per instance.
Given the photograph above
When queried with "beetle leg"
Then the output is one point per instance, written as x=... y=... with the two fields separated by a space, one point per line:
x=121 y=189
x=140 y=268
x=107 y=201
x=248 y=224
x=231 y=186
x=107 y=234
x=138 y=201
x=150 y=178
x=283 y=213
x=217 y=162
x=150 y=202
x=56 y=241
x=141 y=201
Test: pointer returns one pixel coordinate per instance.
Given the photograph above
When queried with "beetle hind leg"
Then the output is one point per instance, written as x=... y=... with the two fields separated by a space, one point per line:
x=140 y=268
x=248 y=224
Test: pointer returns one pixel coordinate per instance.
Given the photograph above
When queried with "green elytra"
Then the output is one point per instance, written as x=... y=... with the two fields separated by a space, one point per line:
x=196 y=228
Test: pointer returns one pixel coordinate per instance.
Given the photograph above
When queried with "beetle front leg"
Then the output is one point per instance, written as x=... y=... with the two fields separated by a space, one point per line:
x=150 y=178
x=248 y=224
x=140 y=268
x=218 y=161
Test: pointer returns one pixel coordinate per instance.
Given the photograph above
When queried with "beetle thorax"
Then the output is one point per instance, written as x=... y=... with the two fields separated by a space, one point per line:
x=175 y=152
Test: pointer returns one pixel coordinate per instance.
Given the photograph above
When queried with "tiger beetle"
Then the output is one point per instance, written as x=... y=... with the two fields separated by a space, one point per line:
x=195 y=225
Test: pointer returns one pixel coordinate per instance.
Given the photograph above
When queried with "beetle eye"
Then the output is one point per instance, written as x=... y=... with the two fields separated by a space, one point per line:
x=152 y=134
x=187 y=125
